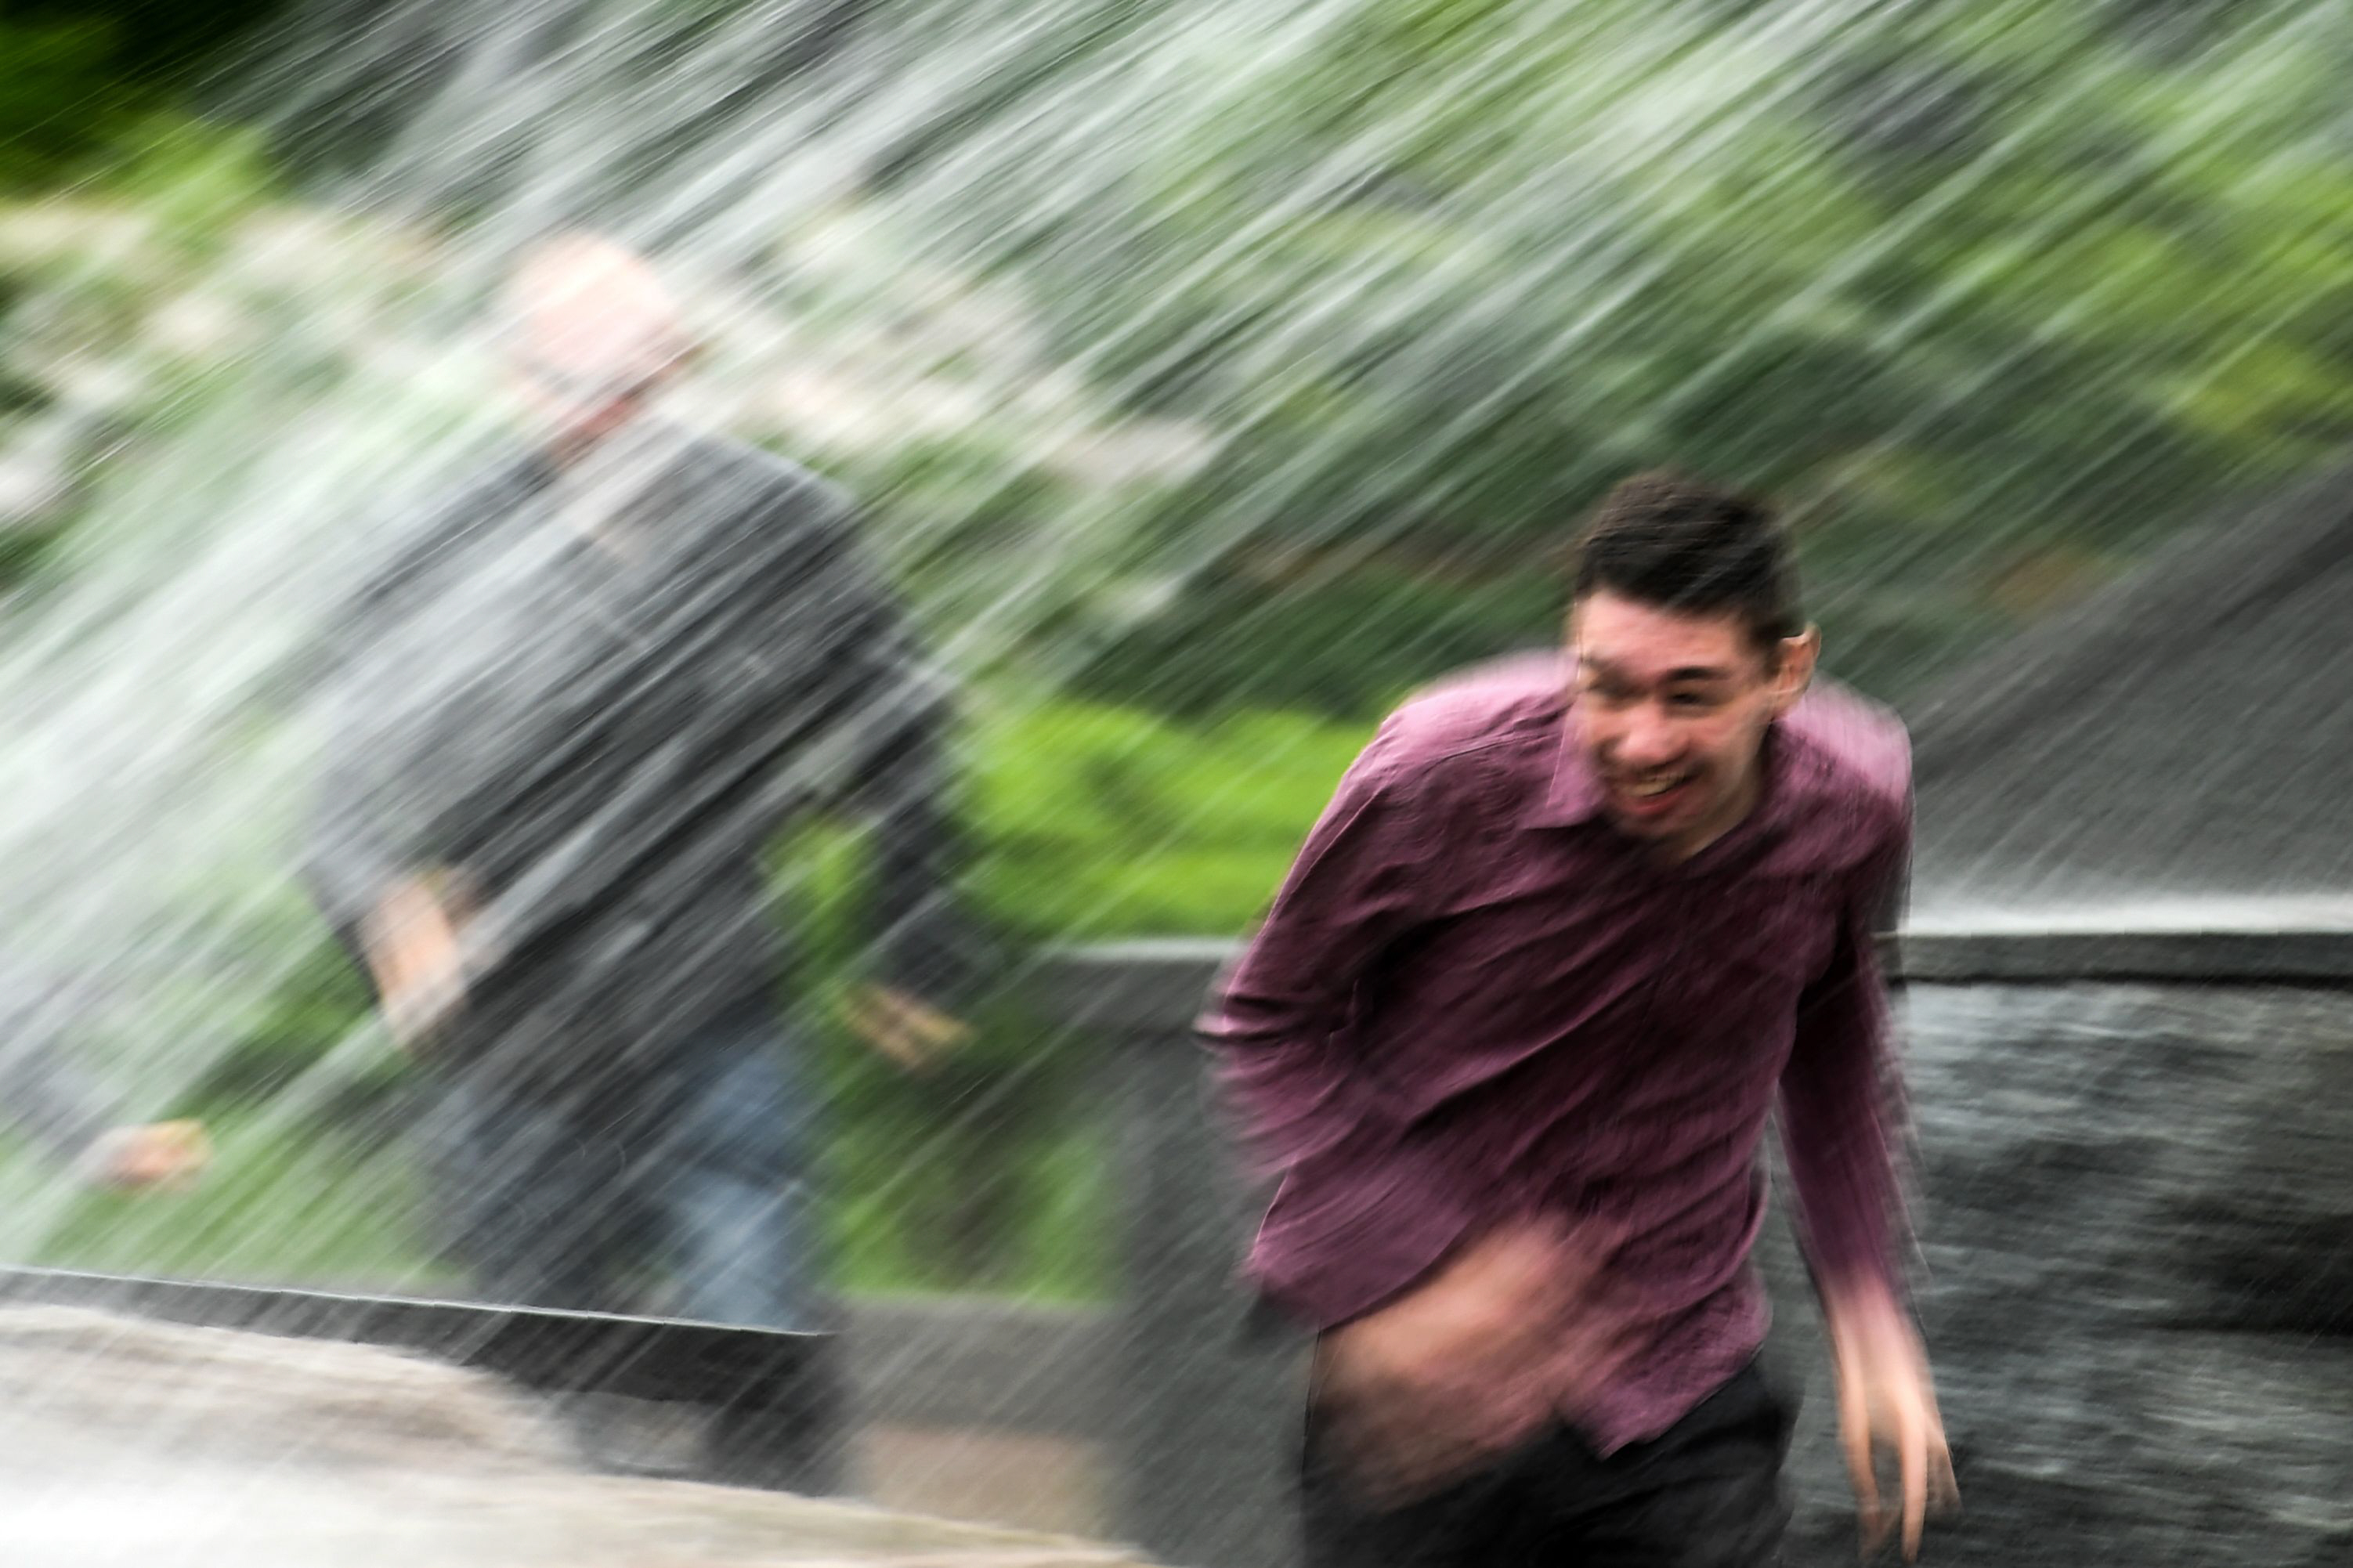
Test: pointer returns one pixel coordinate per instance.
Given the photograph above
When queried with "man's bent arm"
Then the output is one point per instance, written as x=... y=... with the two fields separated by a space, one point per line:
x=1366 y=1213
x=350 y=863
x=890 y=716
x=360 y=838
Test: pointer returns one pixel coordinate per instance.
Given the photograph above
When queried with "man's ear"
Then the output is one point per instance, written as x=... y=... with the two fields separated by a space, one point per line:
x=1793 y=668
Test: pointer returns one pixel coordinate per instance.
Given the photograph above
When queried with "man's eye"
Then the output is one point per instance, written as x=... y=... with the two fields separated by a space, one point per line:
x=1692 y=701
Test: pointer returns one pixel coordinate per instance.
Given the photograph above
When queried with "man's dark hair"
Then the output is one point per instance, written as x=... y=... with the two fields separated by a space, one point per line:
x=1671 y=541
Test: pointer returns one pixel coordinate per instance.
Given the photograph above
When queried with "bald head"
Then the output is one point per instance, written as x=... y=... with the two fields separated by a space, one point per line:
x=592 y=335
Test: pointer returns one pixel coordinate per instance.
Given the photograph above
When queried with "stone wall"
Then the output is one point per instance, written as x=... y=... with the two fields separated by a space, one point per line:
x=2136 y=1216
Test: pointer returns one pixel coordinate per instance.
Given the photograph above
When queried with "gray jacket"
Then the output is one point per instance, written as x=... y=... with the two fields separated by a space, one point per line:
x=595 y=695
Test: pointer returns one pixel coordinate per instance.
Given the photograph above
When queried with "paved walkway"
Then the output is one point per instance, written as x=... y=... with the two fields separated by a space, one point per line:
x=126 y=1443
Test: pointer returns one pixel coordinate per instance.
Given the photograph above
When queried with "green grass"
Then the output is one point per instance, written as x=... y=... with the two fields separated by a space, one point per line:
x=305 y=1206
x=280 y=1205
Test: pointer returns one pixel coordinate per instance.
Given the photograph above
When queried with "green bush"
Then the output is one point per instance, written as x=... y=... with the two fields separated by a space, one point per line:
x=81 y=79
x=1965 y=284
x=60 y=96
x=1089 y=822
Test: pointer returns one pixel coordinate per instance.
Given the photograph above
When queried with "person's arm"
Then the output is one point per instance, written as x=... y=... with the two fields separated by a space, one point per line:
x=886 y=717
x=349 y=864
x=393 y=914
x=901 y=785
x=1840 y=1098
x=46 y=1098
x=1310 y=1107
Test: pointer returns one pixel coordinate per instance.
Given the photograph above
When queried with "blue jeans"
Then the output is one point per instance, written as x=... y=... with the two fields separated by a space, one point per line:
x=700 y=1182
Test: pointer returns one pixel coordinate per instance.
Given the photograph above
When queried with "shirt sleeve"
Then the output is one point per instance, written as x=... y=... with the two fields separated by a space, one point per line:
x=48 y=1099
x=348 y=860
x=364 y=830
x=44 y=1095
x=1841 y=1092
x=1364 y=1211
x=888 y=717
x=925 y=944
x=367 y=828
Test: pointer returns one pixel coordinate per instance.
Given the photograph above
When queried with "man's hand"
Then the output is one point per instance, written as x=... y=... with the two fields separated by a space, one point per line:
x=1471 y=1363
x=162 y=1156
x=414 y=953
x=914 y=1034
x=1887 y=1399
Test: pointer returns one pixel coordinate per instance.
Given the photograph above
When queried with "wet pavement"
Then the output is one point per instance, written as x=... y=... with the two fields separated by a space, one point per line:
x=124 y=1442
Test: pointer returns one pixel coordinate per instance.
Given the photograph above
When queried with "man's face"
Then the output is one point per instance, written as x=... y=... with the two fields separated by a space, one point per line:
x=580 y=389
x=1672 y=709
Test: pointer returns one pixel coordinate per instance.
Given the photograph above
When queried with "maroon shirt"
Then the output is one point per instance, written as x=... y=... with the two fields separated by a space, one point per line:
x=1474 y=1000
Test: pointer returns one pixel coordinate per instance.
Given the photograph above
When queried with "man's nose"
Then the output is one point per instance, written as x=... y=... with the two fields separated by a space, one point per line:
x=1648 y=739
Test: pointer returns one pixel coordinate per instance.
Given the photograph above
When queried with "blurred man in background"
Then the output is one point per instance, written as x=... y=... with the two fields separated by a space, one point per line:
x=1510 y=1035
x=581 y=705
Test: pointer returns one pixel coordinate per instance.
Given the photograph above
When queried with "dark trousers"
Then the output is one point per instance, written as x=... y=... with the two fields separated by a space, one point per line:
x=697 y=1182
x=1706 y=1493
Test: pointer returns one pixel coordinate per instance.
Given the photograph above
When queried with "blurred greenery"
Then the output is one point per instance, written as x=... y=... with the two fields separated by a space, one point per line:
x=1994 y=294
x=282 y=1202
x=82 y=78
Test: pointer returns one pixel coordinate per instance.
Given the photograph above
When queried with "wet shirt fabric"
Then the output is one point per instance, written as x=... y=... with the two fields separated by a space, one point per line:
x=585 y=700
x=1475 y=1001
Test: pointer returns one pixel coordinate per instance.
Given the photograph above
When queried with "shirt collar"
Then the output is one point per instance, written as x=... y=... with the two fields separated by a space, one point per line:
x=1573 y=795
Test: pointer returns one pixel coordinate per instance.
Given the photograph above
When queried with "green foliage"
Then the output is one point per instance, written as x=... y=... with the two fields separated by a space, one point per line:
x=1098 y=822
x=1974 y=287
x=194 y=178
x=1351 y=640
x=59 y=96
x=989 y=1170
x=81 y=80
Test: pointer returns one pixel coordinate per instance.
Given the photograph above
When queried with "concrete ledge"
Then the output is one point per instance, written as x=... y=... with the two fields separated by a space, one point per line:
x=979 y=1361
x=1155 y=988
x=2059 y=956
x=1149 y=988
